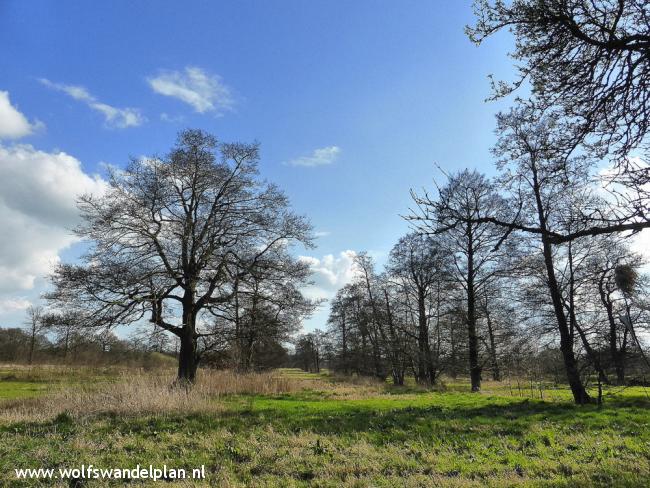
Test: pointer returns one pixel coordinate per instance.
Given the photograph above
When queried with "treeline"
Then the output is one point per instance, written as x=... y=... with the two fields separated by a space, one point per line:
x=18 y=346
x=424 y=316
x=143 y=350
x=52 y=338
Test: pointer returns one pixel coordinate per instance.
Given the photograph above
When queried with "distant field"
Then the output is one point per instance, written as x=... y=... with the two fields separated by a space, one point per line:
x=316 y=430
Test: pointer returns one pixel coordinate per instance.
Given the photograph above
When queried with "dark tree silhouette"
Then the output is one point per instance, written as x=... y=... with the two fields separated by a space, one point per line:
x=540 y=173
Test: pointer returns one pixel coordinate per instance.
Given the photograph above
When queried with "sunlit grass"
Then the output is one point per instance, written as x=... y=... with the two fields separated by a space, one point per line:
x=21 y=389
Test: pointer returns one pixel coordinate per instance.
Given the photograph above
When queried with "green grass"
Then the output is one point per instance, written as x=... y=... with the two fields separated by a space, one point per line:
x=27 y=382
x=390 y=438
x=21 y=389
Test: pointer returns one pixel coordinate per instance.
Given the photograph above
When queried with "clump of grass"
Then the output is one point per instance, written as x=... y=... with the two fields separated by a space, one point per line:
x=226 y=382
x=144 y=394
x=139 y=394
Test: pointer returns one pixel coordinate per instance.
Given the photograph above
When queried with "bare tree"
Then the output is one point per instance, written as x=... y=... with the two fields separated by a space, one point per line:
x=340 y=322
x=36 y=325
x=267 y=308
x=609 y=256
x=171 y=236
x=418 y=263
x=628 y=282
x=499 y=314
x=539 y=170
x=353 y=333
x=588 y=63
x=381 y=320
x=309 y=350
x=472 y=244
x=63 y=323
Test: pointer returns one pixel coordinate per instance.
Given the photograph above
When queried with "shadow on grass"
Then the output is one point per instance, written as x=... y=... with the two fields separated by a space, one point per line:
x=380 y=423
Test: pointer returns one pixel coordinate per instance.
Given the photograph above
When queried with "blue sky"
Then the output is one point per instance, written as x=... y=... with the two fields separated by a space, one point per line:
x=369 y=93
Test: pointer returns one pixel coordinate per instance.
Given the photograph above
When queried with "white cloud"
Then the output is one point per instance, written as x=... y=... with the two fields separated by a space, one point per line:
x=172 y=119
x=322 y=233
x=610 y=191
x=641 y=245
x=10 y=305
x=202 y=91
x=114 y=117
x=13 y=124
x=319 y=157
x=38 y=192
x=330 y=273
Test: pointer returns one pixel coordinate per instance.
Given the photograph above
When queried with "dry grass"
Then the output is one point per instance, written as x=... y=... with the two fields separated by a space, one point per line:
x=269 y=383
x=352 y=387
x=58 y=373
x=144 y=393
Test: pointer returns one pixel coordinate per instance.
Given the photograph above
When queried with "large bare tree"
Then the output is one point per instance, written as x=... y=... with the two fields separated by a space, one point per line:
x=172 y=236
x=540 y=171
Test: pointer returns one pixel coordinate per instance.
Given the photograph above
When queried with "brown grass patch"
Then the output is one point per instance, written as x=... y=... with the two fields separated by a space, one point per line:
x=138 y=393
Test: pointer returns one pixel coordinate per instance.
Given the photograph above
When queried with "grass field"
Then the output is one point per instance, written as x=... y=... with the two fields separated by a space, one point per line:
x=315 y=430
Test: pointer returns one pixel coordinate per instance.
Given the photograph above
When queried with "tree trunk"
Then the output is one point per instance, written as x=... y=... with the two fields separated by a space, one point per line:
x=620 y=360
x=396 y=366
x=573 y=320
x=379 y=370
x=317 y=361
x=187 y=363
x=425 y=366
x=32 y=342
x=474 y=366
x=580 y=395
x=617 y=355
x=454 y=354
x=344 y=335
x=496 y=372
x=67 y=344
x=187 y=356
x=238 y=332
x=433 y=364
